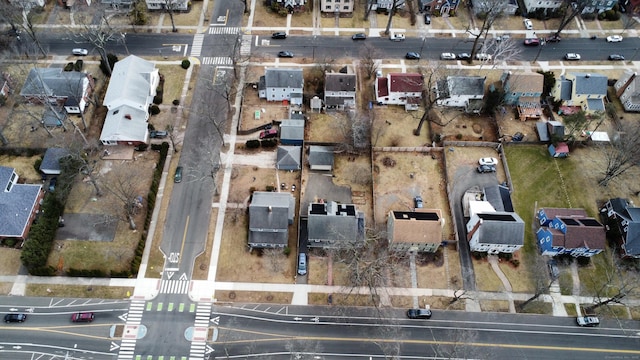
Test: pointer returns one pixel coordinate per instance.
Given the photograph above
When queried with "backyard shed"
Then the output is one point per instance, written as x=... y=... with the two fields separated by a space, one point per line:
x=560 y=150
x=543 y=132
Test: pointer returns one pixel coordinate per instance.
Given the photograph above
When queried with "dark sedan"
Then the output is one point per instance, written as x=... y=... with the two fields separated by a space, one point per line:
x=615 y=57
x=9 y=318
x=419 y=314
x=464 y=56
x=285 y=54
x=412 y=56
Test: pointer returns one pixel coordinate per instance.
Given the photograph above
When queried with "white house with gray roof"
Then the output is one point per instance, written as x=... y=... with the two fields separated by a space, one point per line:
x=131 y=90
x=270 y=214
x=493 y=231
x=461 y=91
x=280 y=84
x=19 y=204
x=334 y=225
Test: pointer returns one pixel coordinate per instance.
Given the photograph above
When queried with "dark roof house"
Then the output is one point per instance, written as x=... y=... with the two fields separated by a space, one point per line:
x=569 y=231
x=321 y=158
x=71 y=89
x=415 y=231
x=339 y=91
x=623 y=220
x=292 y=132
x=19 y=204
x=50 y=164
x=270 y=214
x=289 y=158
x=334 y=225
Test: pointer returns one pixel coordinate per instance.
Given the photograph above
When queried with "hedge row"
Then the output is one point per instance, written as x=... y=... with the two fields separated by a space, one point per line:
x=38 y=246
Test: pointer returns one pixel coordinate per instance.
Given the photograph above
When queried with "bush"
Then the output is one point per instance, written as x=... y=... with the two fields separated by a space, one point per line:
x=176 y=102
x=112 y=61
x=515 y=262
x=269 y=143
x=185 y=64
x=154 y=109
x=10 y=242
x=78 y=65
x=68 y=67
x=252 y=144
x=286 y=251
x=37 y=163
x=270 y=188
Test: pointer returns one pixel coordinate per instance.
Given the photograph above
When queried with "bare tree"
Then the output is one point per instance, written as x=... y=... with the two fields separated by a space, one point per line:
x=571 y=9
x=125 y=189
x=368 y=56
x=621 y=281
x=19 y=17
x=355 y=131
x=539 y=277
x=394 y=7
x=622 y=153
x=628 y=23
x=99 y=35
x=275 y=259
x=489 y=12
x=367 y=9
x=169 y=7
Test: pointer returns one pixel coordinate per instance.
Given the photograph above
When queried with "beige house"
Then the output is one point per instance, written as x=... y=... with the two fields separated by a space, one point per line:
x=415 y=231
x=586 y=90
x=340 y=7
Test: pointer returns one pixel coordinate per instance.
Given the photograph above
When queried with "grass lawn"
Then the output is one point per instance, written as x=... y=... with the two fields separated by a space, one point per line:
x=494 y=305
x=486 y=278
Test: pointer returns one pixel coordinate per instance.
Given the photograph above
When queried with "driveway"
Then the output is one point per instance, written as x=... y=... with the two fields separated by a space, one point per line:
x=321 y=186
x=92 y=227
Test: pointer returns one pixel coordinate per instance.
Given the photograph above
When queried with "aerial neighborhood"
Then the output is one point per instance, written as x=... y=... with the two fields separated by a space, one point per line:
x=378 y=153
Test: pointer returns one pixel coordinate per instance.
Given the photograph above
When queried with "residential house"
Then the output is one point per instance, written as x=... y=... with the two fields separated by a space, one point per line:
x=50 y=164
x=27 y=5
x=69 y=89
x=320 y=158
x=292 y=132
x=599 y=6
x=281 y=84
x=623 y=225
x=292 y=5
x=270 y=214
x=415 y=231
x=499 y=197
x=439 y=7
x=493 y=231
x=507 y=7
x=339 y=91
x=334 y=225
x=289 y=158
x=19 y=203
x=385 y=4
x=632 y=6
x=338 y=7
x=130 y=92
x=400 y=89
x=542 y=5
x=586 y=90
x=569 y=231
x=524 y=89
x=628 y=91
x=461 y=91
x=119 y=4
x=175 y=5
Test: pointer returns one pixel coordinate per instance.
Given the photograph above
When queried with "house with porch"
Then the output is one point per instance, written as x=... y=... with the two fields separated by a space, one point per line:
x=493 y=231
x=174 y=5
x=281 y=84
x=68 y=89
x=415 y=231
x=130 y=93
x=270 y=214
x=337 y=7
x=569 y=231
x=400 y=89
x=585 y=90
x=623 y=225
x=523 y=90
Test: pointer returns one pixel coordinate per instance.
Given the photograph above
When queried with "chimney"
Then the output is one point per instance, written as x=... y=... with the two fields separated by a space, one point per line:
x=127 y=116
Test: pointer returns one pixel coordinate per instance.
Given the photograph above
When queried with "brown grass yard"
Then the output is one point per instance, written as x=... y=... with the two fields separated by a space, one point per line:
x=393 y=126
x=9 y=261
x=494 y=305
x=486 y=279
x=78 y=291
x=223 y=296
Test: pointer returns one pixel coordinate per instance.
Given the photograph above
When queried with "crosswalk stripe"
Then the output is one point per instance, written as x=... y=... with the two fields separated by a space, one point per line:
x=218 y=60
x=174 y=287
x=134 y=317
x=196 y=46
x=223 y=30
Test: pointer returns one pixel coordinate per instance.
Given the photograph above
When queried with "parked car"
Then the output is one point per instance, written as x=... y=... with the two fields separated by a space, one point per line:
x=9 y=318
x=177 y=177
x=396 y=36
x=572 y=56
x=554 y=272
x=419 y=314
x=359 y=36
x=486 y=169
x=279 y=35
x=483 y=56
x=302 y=264
x=554 y=38
x=158 y=134
x=503 y=37
x=447 y=56
x=427 y=19
x=532 y=42
x=83 y=317
x=464 y=56
x=52 y=184
x=80 y=52
x=488 y=161
x=616 y=57
x=285 y=54
x=267 y=134
x=614 y=38
x=588 y=321
x=517 y=136
x=412 y=56
x=417 y=202
x=528 y=24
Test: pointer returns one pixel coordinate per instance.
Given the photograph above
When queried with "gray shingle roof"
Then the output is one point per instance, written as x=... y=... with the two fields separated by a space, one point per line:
x=504 y=228
x=340 y=82
x=54 y=82
x=292 y=130
x=269 y=214
x=321 y=155
x=16 y=205
x=51 y=162
x=332 y=226
x=587 y=83
x=283 y=78
x=465 y=85
x=289 y=158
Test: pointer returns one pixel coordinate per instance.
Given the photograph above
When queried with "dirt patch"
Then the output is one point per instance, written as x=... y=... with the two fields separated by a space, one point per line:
x=457 y=125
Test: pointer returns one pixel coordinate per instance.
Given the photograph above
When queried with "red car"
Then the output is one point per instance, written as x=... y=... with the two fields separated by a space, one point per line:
x=267 y=134
x=532 y=42
x=83 y=317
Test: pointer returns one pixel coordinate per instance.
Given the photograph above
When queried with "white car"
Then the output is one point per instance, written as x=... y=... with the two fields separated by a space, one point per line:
x=80 y=52
x=447 y=56
x=614 y=38
x=528 y=24
x=396 y=36
x=483 y=57
x=572 y=56
x=488 y=161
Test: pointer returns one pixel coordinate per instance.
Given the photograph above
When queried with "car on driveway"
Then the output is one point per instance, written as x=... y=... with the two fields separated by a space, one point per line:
x=412 y=56
x=427 y=19
x=80 y=52
x=532 y=42
x=554 y=272
x=527 y=24
x=52 y=184
x=588 y=321
x=417 y=202
x=267 y=134
x=572 y=56
x=9 y=318
x=488 y=161
x=279 y=35
x=285 y=54
x=464 y=56
x=83 y=317
x=615 y=57
x=447 y=56
x=614 y=38
x=419 y=314
x=359 y=36
x=486 y=169
x=158 y=134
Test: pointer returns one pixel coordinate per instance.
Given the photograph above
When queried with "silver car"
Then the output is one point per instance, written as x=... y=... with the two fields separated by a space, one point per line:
x=447 y=56
x=80 y=52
